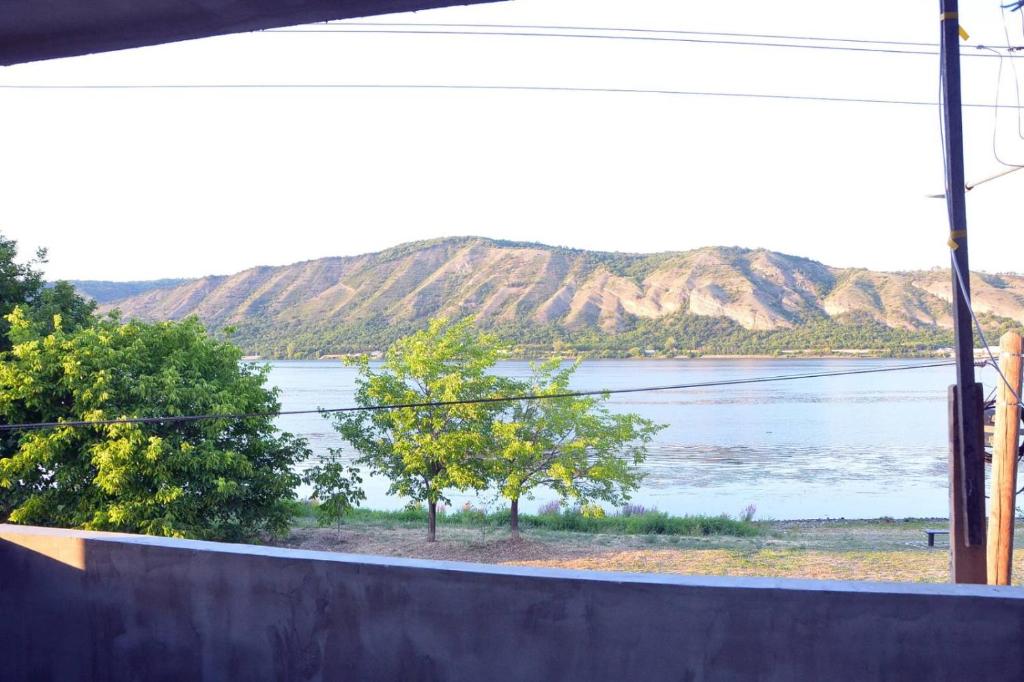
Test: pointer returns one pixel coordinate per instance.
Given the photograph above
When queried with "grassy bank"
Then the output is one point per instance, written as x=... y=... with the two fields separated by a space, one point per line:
x=875 y=549
x=644 y=523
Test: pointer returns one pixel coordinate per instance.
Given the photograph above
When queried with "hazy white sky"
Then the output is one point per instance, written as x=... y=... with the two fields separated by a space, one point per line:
x=138 y=184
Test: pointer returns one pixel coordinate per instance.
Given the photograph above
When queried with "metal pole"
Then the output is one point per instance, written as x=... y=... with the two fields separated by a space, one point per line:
x=971 y=483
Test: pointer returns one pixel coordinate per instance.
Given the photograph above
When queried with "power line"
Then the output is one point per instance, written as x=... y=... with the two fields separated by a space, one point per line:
x=995 y=122
x=594 y=36
x=468 y=401
x=470 y=87
x=981 y=332
x=617 y=29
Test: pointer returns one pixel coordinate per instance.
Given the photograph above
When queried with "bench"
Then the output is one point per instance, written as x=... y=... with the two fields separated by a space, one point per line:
x=932 y=533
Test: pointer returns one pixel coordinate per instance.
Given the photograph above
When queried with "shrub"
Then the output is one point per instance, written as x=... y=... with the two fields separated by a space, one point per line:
x=552 y=508
x=648 y=523
x=633 y=510
x=469 y=515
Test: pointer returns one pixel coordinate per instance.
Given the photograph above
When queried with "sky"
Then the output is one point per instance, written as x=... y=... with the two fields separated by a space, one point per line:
x=144 y=184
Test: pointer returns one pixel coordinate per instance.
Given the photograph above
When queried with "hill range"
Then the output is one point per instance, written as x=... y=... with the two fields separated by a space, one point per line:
x=544 y=298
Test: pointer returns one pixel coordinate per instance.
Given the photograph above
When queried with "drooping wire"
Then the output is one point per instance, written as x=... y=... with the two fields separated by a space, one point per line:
x=995 y=111
x=999 y=84
x=1013 y=65
x=619 y=29
x=613 y=29
x=468 y=401
x=472 y=87
x=594 y=36
x=981 y=332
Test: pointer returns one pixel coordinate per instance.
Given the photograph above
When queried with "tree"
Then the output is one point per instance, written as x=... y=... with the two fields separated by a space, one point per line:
x=222 y=479
x=336 y=488
x=425 y=450
x=574 y=445
x=20 y=283
x=59 y=305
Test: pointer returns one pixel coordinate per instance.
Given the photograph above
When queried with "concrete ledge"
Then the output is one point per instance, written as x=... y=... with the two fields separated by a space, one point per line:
x=80 y=605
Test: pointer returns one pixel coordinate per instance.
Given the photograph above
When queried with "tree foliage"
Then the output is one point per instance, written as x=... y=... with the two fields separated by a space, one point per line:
x=216 y=479
x=336 y=488
x=679 y=334
x=20 y=283
x=22 y=286
x=426 y=450
x=59 y=305
x=573 y=445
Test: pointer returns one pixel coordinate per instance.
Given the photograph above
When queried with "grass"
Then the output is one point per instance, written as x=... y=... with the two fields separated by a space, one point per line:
x=836 y=549
x=647 y=523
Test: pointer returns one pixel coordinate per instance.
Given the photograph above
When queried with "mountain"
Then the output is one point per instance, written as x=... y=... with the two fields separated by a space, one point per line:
x=715 y=299
x=103 y=291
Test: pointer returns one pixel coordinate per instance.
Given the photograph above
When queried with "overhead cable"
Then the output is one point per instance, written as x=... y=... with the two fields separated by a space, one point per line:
x=611 y=29
x=468 y=401
x=471 y=87
x=981 y=332
x=339 y=30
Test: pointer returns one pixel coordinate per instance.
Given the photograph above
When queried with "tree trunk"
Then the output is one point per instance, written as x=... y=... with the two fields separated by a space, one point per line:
x=514 y=518
x=431 y=521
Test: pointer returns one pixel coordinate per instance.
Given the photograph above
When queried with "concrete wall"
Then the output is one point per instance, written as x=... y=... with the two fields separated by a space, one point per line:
x=76 y=605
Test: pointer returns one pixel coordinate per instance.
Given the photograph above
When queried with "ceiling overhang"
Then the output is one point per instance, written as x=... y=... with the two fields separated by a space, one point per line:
x=32 y=30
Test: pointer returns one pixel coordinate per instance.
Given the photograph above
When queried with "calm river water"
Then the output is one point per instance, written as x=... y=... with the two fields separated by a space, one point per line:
x=856 y=446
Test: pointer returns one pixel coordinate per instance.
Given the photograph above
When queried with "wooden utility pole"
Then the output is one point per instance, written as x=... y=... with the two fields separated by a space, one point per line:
x=967 y=479
x=1005 y=441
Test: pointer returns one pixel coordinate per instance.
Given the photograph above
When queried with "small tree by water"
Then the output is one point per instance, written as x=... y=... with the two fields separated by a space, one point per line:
x=574 y=445
x=427 y=449
x=336 y=488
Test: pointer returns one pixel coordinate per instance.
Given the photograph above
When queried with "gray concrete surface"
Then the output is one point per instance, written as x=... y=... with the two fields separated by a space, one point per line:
x=95 y=606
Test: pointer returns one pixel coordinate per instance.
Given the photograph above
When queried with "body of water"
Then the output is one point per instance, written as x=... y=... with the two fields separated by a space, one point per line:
x=858 y=446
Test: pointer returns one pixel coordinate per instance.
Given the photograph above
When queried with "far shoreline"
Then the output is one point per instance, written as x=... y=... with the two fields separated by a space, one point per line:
x=569 y=356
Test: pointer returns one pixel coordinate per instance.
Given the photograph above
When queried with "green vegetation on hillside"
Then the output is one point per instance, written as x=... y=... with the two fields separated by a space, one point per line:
x=674 y=335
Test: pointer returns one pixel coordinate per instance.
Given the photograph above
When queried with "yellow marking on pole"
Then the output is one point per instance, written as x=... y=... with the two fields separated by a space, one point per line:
x=953 y=236
x=946 y=16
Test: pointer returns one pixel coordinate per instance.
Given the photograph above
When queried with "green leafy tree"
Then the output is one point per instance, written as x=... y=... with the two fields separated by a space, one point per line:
x=425 y=450
x=59 y=305
x=336 y=489
x=574 y=445
x=224 y=479
x=20 y=283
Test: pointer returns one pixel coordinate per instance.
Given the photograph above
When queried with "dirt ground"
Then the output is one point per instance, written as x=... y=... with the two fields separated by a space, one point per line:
x=832 y=550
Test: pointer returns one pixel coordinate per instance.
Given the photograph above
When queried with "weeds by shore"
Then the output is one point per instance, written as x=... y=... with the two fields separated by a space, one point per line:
x=640 y=522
